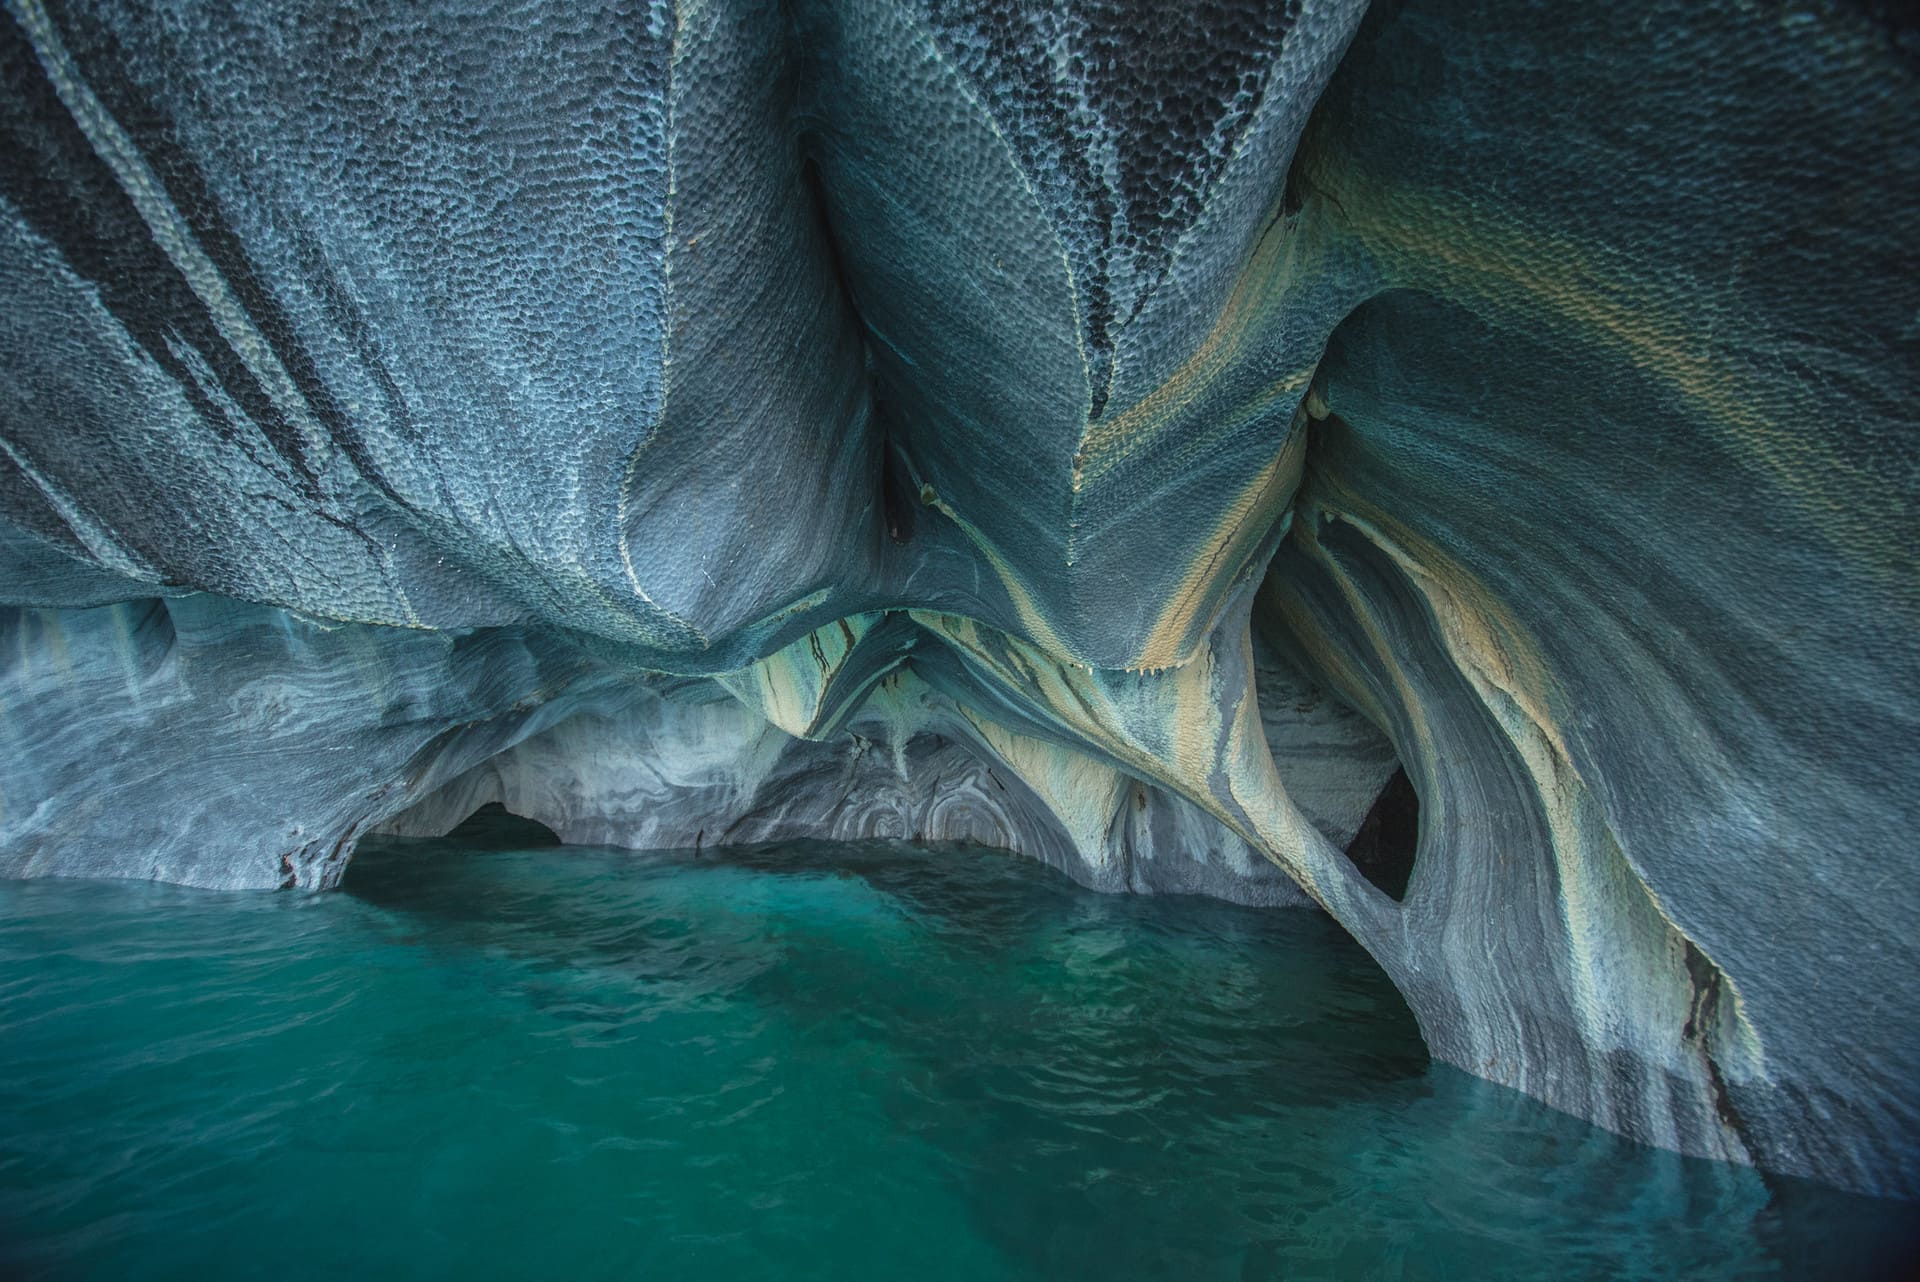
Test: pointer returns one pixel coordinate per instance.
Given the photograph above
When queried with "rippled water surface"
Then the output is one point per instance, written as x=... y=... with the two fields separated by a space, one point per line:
x=807 y=1061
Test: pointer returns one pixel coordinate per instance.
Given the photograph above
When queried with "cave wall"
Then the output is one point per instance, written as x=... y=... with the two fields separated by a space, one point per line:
x=1118 y=433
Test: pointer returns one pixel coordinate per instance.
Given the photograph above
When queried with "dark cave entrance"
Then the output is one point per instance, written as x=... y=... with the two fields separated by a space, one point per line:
x=494 y=827
x=387 y=861
x=1389 y=837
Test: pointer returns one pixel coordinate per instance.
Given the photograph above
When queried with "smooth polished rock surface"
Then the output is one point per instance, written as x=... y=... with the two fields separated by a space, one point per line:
x=1124 y=435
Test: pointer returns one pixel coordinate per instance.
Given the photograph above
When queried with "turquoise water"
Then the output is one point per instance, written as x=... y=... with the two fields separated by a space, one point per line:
x=805 y=1061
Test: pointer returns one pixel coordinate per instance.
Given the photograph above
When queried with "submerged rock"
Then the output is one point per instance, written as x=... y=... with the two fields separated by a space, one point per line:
x=1021 y=424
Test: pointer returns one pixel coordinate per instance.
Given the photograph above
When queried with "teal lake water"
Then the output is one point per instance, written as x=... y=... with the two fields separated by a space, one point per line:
x=807 y=1061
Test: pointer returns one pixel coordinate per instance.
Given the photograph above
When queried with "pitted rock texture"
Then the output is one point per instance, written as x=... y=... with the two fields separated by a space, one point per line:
x=1152 y=440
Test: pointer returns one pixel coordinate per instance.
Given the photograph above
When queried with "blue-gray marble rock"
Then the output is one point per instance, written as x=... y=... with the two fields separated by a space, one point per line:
x=1230 y=449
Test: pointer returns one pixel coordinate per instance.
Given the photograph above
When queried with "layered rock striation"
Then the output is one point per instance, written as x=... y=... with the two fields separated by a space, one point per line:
x=1171 y=444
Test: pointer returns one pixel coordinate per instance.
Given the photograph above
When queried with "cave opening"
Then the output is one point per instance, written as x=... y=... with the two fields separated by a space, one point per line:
x=494 y=827
x=1331 y=746
x=1384 y=847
